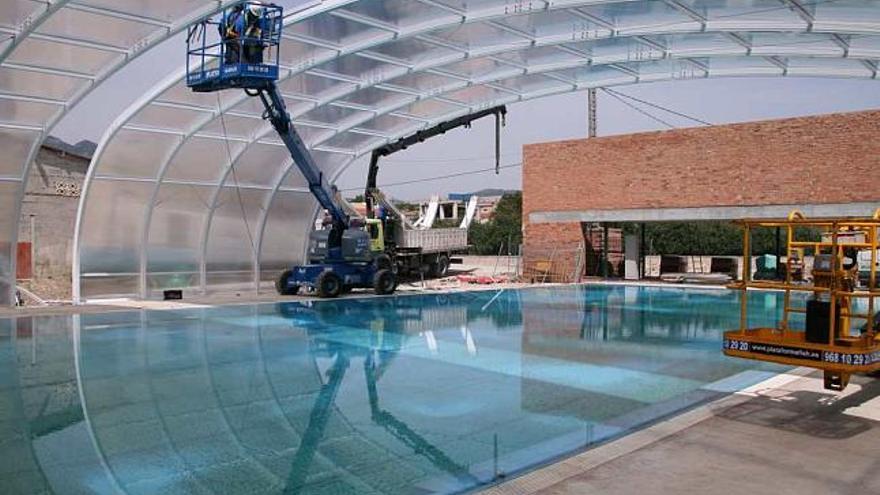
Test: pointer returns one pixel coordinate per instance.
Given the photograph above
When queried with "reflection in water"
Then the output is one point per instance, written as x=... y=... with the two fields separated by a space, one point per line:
x=413 y=394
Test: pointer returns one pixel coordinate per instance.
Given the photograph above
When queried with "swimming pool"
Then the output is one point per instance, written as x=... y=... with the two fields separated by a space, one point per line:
x=405 y=395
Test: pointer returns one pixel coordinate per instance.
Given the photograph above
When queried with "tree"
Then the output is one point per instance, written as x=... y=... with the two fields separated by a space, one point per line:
x=504 y=231
x=357 y=199
x=712 y=238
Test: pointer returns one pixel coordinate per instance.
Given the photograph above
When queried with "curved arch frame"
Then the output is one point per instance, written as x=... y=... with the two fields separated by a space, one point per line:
x=486 y=15
x=151 y=41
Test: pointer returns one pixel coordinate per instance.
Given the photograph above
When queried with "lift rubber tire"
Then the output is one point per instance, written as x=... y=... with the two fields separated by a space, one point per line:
x=281 y=284
x=328 y=285
x=441 y=268
x=384 y=282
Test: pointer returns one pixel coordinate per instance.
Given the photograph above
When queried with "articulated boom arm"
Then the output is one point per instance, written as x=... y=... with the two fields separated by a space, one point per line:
x=401 y=144
x=276 y=113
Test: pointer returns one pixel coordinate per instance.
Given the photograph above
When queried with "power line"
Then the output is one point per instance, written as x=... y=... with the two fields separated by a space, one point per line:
x=654 y=105
x=439 y=177
x=637 y=109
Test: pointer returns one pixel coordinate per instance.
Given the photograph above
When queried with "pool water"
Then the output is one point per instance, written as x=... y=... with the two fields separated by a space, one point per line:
x=402 y=395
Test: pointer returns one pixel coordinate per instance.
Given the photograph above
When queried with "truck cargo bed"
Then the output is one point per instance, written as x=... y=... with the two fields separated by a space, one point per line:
x=433 y=240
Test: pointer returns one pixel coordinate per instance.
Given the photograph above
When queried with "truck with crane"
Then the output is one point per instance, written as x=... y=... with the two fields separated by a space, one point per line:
x=412 y=249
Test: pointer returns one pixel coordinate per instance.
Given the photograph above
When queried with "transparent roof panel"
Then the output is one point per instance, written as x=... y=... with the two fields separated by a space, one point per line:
x=785 y=43
x=169 y=118
x=389 y=124
x=314 y=86
x=640 y=17
x=332 y=114
x=540 y=56
x=62 y=56
x=38 y=84
x=359 y=67
x=71 y=23
x=534 y=83
x=399 y=13
x=754 y=14
x=864 y=15
x=23 y=112
x=162 y=10
x=15 y=12
x=480 y=35
x=376 y=98
x=335 y=30
x=414 y=50
x=421 y=82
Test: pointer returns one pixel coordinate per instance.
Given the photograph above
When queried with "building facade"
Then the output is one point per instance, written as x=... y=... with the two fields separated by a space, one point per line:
x=825 y=166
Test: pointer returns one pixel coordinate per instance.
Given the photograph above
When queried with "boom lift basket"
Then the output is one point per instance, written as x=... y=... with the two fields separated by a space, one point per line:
x=240 y=50
x=840 y=326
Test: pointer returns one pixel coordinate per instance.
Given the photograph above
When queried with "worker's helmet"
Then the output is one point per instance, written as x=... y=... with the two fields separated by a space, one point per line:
x=255 y=10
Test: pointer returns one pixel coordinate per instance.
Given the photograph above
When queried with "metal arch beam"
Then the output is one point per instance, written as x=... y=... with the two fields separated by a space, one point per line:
x=133 y=53
x=30 y=25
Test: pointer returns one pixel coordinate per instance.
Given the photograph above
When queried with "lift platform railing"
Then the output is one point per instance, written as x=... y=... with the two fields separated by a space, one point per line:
x=830 y=340
x=244 y=43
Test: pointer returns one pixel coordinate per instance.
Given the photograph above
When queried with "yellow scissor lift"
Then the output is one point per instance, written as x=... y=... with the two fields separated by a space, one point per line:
x=829 y=340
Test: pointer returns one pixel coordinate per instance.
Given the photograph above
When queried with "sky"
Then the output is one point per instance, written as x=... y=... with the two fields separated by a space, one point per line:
x=717 y=101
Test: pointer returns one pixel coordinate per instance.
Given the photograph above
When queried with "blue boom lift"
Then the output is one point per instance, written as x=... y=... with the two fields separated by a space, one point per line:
x=243 y=54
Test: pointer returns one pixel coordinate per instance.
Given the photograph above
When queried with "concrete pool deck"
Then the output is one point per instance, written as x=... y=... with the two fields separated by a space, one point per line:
x=786 y=435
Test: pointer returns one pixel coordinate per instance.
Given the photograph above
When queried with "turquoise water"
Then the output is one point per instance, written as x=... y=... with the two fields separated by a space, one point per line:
x=403 y=395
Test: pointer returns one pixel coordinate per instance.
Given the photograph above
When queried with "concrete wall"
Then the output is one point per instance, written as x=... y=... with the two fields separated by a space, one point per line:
x=51 y=199
x=832 y=159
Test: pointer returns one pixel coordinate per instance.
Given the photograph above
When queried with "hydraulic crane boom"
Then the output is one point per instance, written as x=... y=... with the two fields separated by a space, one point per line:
x=276 y=113
x=401 y=144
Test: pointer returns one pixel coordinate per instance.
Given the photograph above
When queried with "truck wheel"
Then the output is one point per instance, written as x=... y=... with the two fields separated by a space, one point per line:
x=384 y=282
x=328 y=285
x=441 y=268
x=281 y=284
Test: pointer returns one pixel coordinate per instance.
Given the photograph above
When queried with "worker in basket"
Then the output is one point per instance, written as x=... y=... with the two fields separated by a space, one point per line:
x=242 y=33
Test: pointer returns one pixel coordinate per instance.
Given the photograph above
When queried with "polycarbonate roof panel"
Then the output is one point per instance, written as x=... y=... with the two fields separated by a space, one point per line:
x=359 y=73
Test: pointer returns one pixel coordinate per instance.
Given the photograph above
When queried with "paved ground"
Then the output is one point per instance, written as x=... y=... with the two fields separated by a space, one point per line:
x=794 y=438
x=473 y=265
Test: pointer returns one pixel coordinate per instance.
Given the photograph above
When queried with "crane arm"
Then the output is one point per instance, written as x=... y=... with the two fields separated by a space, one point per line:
x=500 y=112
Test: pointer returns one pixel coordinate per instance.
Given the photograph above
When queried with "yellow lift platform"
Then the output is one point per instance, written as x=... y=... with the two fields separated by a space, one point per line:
x=838 y=300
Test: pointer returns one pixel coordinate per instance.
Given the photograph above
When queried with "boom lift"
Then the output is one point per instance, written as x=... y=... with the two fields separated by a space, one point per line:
x=840 y=333
x=245 y=56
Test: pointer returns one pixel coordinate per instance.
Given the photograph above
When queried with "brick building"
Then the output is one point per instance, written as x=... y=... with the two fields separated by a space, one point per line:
x=48 y=217
x=825 y=166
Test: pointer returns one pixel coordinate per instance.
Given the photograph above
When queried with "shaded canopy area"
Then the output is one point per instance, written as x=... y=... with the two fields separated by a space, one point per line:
x=209 y=196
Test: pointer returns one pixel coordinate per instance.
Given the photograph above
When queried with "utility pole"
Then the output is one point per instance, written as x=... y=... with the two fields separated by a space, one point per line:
x=591 y=111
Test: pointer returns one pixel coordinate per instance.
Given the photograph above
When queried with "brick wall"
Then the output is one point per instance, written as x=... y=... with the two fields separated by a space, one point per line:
x=790 y=161
x=52 y=198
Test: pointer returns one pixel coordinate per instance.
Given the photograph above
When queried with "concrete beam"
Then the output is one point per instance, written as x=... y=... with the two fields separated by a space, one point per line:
x=864 y=209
